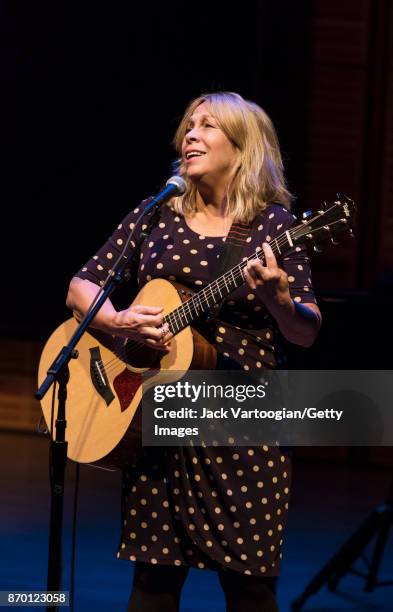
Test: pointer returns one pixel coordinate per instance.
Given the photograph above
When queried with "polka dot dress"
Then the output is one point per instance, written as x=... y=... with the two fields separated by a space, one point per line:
x=210 y=507
x=207 y=507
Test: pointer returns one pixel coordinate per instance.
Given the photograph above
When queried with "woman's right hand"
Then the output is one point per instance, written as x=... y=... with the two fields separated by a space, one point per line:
x=141 y=323
x=144 y=323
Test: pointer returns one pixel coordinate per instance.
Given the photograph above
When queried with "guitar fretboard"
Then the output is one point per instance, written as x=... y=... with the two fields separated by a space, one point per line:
x=219 y=289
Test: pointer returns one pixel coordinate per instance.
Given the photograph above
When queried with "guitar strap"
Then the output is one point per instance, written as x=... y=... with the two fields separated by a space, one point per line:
x=230 y=255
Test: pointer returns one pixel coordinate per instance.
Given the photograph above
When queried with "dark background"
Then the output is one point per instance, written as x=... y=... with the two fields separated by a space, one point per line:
x=92 y=95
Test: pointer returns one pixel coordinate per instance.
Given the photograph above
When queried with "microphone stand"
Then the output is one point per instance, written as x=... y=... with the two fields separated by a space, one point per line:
x=59 y=373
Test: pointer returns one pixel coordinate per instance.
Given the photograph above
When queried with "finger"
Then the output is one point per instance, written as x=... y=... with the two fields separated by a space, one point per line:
x=257 y=271
x=140 y=308
x=158 y=347
x=271 y=261
x=154 y=333
x=256 y=268
x=249 y=279
x=160 y=334
x=165 y=339
x=148 y=319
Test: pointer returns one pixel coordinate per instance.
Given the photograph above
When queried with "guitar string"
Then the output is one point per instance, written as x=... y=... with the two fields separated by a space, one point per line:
x=169 y=318
x=203 y=294
x=173 y=318
x=139 y=345
x=222 y=282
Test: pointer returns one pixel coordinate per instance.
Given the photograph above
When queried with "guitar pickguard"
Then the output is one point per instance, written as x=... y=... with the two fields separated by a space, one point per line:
x=126 y=385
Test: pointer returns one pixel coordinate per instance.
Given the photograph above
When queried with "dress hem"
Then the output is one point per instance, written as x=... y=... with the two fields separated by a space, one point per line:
x=166 y=561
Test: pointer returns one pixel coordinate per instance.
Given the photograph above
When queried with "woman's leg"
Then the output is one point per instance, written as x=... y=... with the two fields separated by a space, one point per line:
x=245 y=593
x=156 y=588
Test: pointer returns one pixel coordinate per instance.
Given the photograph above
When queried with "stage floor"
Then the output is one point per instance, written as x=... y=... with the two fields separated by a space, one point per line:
x=329 y=502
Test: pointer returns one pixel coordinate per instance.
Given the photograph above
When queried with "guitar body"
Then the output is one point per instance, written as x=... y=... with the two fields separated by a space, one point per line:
x=104 y=392
x=105 y=387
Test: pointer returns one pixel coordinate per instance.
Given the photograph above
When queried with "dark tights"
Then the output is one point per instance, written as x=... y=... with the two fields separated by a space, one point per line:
x=157 y=588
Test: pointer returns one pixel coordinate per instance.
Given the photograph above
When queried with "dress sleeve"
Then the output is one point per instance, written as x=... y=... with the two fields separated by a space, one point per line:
x=97 y=267
x=295 y=262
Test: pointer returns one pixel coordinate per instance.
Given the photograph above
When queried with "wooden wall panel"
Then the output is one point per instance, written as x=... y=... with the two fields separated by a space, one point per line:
x=336 y=120
x=19 y=411
x=350 y=134
x=385 y=247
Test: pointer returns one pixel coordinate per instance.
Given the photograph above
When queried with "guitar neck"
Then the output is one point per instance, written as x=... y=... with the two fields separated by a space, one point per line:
x=205 y=299
x=324 y=225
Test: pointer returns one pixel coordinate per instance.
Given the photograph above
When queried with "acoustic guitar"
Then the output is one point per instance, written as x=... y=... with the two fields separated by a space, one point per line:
x=105 y=387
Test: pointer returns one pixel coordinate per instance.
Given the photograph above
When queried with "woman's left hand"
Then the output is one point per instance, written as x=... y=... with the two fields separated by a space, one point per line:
x=270 y=276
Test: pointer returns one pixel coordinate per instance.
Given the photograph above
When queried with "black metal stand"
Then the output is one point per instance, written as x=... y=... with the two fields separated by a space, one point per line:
x=59 y=372
x=377 y=524
x=57 y=463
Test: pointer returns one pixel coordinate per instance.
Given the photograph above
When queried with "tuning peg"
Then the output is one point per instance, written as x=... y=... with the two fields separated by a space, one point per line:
x=334 y=242
x=316 y=249
x=351 y=234
x=306 y=214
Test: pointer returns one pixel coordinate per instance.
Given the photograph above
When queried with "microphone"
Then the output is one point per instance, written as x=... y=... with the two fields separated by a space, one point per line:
x=174 y=186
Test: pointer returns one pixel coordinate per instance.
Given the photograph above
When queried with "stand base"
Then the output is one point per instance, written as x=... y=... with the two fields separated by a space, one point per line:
x=377 y=524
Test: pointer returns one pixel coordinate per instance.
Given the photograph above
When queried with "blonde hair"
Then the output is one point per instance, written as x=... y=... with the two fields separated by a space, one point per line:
x=260 y=177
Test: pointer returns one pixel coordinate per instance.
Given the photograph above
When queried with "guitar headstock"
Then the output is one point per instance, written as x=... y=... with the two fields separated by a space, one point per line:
x=326 y=223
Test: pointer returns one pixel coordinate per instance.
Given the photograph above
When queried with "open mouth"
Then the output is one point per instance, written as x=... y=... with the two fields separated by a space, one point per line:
x=194 y=154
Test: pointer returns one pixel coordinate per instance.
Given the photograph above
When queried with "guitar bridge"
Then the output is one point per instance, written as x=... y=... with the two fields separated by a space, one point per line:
x=98 y=376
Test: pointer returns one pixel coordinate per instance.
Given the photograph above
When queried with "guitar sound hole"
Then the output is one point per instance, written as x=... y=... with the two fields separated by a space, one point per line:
x=138 y=355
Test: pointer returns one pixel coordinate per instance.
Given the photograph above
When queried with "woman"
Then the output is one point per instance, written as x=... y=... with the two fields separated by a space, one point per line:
x=220 y=508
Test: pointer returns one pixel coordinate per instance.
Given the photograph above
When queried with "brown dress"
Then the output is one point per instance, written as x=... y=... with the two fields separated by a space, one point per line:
x=216 y=506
